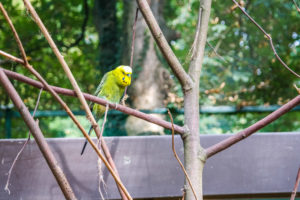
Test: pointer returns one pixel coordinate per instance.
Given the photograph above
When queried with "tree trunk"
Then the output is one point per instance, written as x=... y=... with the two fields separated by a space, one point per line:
x=106 y=23
x=194 y=154
x=151 y=81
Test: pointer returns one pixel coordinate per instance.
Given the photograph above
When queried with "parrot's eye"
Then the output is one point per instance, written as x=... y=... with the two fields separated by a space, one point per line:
x=123 y=73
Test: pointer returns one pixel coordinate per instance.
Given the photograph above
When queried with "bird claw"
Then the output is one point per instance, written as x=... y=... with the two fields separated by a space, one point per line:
x=124 y=99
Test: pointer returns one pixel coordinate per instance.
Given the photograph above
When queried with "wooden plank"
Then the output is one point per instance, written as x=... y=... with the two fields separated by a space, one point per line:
x=262 y=165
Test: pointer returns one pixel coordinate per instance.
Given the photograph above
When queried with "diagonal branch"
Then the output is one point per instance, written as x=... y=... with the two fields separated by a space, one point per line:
x=123 y=193
x=200 y=40
x=63 y=64
x=298 y=8
x=38 y=135
x=177 y=158
x=98 y=100
x=269 y=38
x=294 y=192
x=192 y=50
x=253 y=128
x=12 y=58
x=15 y=33
x=133 y=36
x=86 y=12
x=23 y=147
x=184 y=79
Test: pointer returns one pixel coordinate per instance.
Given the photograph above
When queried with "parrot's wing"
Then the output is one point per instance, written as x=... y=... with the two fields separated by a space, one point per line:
x=99 y=88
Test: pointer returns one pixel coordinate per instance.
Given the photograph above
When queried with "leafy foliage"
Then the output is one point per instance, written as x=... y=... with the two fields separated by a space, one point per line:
x=247 y=64
x=64 y=21
x=245 y=71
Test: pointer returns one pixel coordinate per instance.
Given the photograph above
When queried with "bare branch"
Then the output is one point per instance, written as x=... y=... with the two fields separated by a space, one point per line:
x=298 y=9
x=12 y=58
x=101 y=180
x=98 y=100
x=200 y=40
x=103 y=124
x=83 y=26
x=268 y=36
x=15 y=33
x=125 y=96
x=38 y=135
x=215 y=52
x=133 y=36
x=177 y=158
x=23 y=147
x=253 y=128
x=184 y=79
x=192 y=50
x=63 y=64
x=296 y=185
x=297 y=89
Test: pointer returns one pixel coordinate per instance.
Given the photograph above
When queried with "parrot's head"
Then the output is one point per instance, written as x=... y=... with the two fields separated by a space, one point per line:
x=123 y=75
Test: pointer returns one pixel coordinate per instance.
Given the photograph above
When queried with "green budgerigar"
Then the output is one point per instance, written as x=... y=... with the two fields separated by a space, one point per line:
x=111 y=88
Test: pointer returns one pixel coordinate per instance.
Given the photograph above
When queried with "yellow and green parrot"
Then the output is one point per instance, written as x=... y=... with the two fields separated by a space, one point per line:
x=111 y=88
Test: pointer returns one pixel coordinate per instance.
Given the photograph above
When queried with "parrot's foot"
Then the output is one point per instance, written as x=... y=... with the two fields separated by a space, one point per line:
x=124 y=99
x=297 y=89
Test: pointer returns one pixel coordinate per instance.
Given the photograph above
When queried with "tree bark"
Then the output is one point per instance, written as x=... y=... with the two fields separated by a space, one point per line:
x=194 y=154
x=106 y=24
x=151 y=81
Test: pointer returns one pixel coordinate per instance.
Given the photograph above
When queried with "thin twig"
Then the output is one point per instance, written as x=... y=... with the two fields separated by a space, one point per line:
x=297 y=89
x=100 y=174
x=103 y=124
x=217 y=54
x=83 y=26
x=133 y=36
x=95 y=99
x=177 y=158
x=101 y=179
x=192 y=49
x=15 y=33
x=268 y=36
x=125 y=96
x=298 y=9
x=23 y=147
x=296 y=186
x=37 y=102
x=12 y=58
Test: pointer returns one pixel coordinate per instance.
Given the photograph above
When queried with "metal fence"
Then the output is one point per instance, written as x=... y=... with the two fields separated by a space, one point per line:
x=8 y=112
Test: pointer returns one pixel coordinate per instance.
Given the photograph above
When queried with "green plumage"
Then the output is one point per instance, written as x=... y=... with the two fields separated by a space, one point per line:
x=111 y=88
x=108 y=89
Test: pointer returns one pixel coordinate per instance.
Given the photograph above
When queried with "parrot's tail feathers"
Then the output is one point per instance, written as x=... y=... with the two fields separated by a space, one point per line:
x=83 y=148
x=85 y=143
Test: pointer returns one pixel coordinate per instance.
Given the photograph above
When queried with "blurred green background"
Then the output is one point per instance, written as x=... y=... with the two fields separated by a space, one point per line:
x=94 y=36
